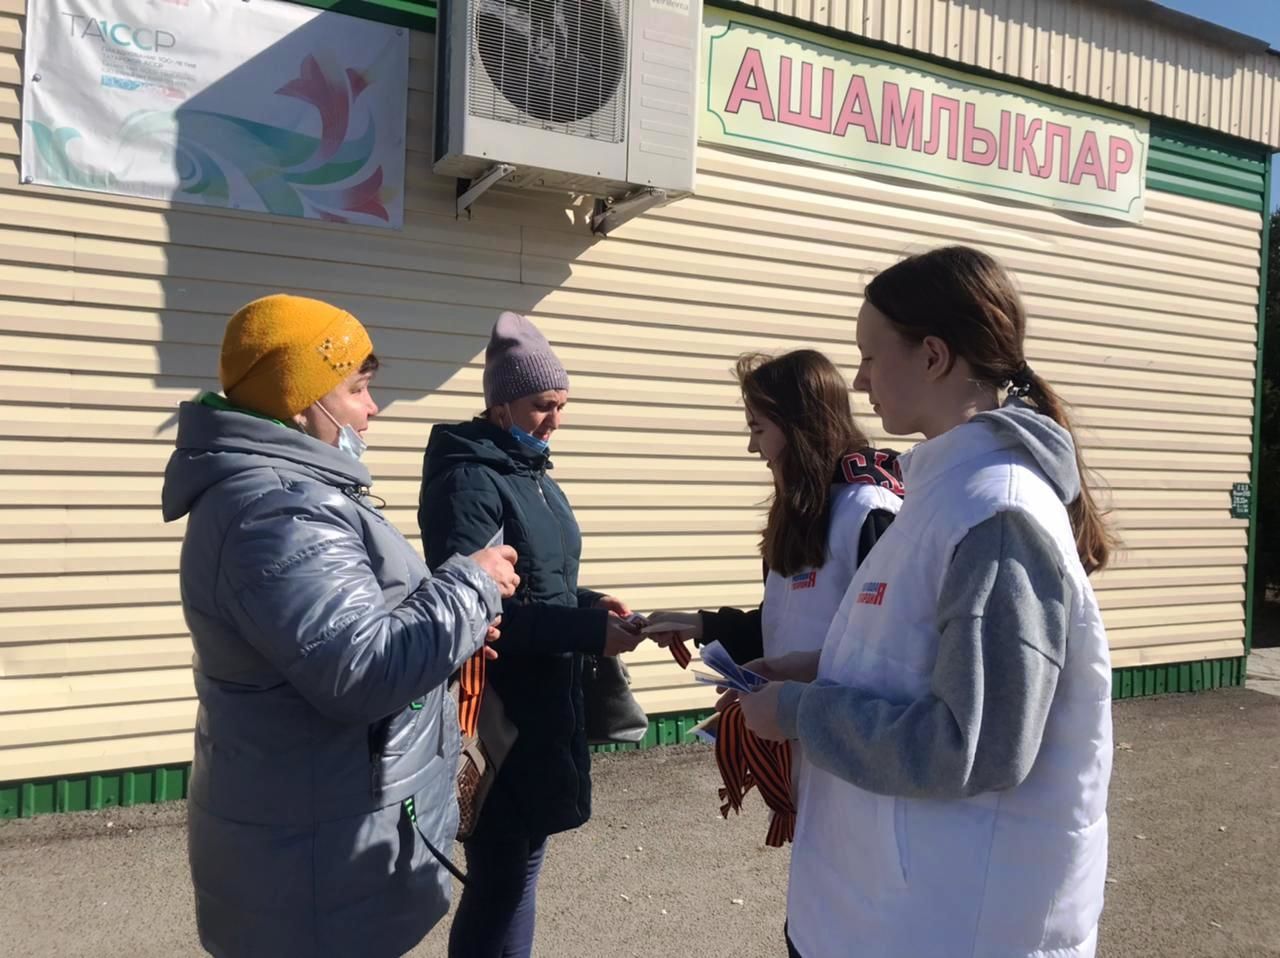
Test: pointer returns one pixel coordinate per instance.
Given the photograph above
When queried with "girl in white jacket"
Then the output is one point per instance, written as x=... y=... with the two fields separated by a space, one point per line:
x=833 y=498
x=957 y=723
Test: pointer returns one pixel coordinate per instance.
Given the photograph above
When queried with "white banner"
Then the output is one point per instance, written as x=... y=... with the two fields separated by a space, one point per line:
x=244 y=104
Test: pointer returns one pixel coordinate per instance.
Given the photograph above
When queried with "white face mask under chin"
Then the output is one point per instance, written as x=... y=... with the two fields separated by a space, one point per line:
x=349 y=440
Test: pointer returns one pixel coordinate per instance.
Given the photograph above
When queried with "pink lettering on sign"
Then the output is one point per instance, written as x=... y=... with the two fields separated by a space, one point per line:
x=947 y=107
x=804 y=117
x=1059 y=135
x=907 y=118
x=975 y=136
x=856 y=111
x=900 y=124
x=1024 y=147
x=1006 y=118
x=1089 y=162
x=751 y=86
x=1119 y=161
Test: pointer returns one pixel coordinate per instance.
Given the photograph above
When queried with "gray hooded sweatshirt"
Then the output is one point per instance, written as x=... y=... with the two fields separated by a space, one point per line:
x=322 y=649
x=1002 y=616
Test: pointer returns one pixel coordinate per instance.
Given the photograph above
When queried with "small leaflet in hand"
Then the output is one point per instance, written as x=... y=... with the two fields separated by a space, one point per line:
x=729 y=673
x=705 y=731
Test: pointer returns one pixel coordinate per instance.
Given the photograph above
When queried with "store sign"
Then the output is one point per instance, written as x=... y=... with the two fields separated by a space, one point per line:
x=252 y=105
x=1241 y=500
x=778 y=90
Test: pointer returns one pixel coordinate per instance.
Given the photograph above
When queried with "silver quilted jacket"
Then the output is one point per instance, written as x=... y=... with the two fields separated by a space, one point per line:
x=322 y=648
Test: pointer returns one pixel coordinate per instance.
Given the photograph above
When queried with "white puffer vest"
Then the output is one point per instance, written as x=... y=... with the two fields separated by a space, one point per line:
x=1003 y=874
x=798 y=609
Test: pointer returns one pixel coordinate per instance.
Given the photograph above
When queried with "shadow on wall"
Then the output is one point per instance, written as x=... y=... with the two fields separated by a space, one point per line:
x=429 y=292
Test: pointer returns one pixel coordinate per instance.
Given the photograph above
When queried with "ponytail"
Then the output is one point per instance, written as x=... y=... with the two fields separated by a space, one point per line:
x=966 y=298
x=1095 y=540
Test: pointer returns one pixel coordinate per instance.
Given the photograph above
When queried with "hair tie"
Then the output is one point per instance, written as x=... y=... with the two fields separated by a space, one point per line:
x=1022 y=382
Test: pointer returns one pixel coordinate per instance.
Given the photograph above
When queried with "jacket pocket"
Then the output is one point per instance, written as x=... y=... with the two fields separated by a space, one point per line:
x=401 y=744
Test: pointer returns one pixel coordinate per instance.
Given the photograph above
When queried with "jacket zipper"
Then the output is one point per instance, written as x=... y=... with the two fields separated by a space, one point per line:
x=564 y=547
x=379 y=732
x=564 y=553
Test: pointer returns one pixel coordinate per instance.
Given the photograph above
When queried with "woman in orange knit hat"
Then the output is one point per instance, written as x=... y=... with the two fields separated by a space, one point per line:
x=322 y=789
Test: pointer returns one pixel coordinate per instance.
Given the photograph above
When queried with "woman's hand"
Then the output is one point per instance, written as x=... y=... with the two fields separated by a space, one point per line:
x=760 y=711
x=792 y=667
x=492 y=635
x=665 y=627
x=498 y=563
x=615 y=606
x=620 y=636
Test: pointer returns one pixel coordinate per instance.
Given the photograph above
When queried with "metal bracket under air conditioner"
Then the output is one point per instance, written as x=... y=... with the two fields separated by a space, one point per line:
x=609 y=213
x=471 y=190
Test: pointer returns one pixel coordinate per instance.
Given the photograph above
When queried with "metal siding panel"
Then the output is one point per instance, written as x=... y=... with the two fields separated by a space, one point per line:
x=997 y=31
x=76 y=691
x=1266 y=105
x=837 y=16
x=1273 y=95
x=1234 y=102
x=96 y=723
x=1126 y=658
x=43 y=761
x=1099 y=83
x=11 y=32
x=93 y=384
x=892 y=20
x=939 y=37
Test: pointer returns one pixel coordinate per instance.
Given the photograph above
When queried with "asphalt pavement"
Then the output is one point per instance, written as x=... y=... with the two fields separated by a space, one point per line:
x=1195 y=856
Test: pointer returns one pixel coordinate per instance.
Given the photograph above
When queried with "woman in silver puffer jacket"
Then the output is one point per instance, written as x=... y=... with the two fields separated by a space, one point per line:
x=325 y=744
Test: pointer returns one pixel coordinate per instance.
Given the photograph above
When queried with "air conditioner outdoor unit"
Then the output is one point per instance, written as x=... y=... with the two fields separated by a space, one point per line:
x=586 y=96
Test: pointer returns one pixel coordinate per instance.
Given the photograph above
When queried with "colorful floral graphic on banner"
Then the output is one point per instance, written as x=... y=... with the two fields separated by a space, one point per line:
x=257 y=105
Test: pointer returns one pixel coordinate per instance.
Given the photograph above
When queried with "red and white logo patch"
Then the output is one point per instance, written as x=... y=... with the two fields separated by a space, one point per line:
x=872 y=593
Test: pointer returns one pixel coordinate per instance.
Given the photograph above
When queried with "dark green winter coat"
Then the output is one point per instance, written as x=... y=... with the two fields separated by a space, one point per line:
x=477 y=479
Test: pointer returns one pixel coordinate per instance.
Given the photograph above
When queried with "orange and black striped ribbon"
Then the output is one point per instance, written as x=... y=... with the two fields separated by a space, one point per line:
x=747 y=761
x=470 y=692
x=680 y=652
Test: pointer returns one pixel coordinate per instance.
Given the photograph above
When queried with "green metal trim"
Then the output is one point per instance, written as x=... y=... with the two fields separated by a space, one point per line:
x=1197 y=141
x=1198 y=166
x=141 y=786
x=401 y=13
x=1179 y=186
x=1189 y=162
x=1201 y=676
x=79 y=793
x=1256 y=465
x=670 y=729
x=150 y=785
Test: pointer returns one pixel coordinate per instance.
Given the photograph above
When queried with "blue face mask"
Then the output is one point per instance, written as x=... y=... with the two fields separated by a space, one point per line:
x=349 y=440
x=529 y=441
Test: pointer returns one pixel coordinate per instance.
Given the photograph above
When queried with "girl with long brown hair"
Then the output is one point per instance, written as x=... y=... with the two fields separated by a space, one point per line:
x=833 y=497
x=957 y=724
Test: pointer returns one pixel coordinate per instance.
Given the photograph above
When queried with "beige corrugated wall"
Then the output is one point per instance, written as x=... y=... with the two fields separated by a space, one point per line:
x=111 y=313
x=1148 y=61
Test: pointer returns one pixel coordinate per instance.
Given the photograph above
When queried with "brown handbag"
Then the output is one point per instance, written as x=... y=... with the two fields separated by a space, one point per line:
x=483 y=750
